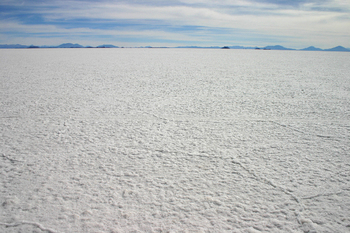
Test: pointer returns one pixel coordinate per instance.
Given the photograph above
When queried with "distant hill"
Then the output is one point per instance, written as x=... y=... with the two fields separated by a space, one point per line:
x=107 y=46
x=338 y=48
x=276 y=47
x=13 y=46
x=312 y=48
x=70 y=45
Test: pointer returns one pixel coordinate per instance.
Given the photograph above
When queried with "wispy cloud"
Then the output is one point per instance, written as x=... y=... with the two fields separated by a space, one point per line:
x=299 y=23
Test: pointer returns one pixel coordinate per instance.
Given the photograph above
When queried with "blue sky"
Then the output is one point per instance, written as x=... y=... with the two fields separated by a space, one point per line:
x=295 y=24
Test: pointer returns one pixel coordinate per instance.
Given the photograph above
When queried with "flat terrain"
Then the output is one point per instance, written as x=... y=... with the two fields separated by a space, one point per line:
x=174 y=140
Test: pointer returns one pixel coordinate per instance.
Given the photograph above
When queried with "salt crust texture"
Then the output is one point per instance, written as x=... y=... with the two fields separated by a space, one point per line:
x=174 y=140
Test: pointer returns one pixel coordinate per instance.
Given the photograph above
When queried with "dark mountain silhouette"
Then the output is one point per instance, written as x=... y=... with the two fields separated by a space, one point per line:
x=107 y=46
x=33 y=47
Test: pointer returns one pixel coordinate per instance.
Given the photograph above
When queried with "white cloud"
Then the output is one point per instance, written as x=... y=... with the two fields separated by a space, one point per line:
x=39 y=32
x=263 y=18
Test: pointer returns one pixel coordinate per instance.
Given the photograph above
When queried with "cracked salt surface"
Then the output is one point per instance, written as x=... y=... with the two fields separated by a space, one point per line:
x=174 y=140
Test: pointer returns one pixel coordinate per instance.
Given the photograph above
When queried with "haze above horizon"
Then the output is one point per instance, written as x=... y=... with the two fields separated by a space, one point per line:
x=296 y=24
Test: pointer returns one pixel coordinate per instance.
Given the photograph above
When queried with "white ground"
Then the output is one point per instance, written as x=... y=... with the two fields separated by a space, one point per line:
x=174 y=140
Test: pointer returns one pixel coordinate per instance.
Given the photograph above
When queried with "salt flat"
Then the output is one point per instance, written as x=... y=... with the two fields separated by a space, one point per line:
x=174 y=140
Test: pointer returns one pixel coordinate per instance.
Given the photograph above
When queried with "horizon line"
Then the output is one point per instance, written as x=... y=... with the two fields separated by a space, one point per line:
x=76 y=45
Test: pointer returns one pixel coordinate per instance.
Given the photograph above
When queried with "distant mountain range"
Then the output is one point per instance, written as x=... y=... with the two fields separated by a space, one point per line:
x=274 y=47
x=311 y=48
x=66 y=45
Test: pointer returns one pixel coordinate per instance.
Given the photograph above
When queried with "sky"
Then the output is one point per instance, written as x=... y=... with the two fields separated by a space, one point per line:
x=294 y=24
